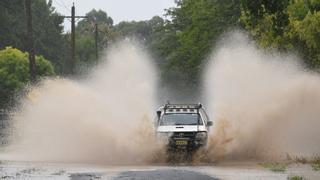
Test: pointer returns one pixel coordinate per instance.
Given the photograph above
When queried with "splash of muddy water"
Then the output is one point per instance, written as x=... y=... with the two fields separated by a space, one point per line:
x=104 y=119
x=264 y=106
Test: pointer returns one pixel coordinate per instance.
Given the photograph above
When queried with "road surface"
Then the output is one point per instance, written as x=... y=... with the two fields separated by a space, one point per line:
x=247 y=171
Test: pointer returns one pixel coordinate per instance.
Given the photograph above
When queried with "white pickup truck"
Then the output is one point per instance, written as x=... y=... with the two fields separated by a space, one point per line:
x=183 y=126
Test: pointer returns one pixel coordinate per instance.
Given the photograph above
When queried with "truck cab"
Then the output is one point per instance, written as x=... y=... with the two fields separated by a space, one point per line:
x=183 y=126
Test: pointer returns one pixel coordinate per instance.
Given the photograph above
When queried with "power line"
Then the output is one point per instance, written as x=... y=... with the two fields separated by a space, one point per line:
x=72 y=61
x=62 y=6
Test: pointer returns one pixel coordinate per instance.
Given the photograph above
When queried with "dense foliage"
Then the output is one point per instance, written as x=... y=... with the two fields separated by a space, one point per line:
x=14 y=72
x=286 y=25
x=180 y=43
x=85 y=36
x=49 y=40
x=194 y=28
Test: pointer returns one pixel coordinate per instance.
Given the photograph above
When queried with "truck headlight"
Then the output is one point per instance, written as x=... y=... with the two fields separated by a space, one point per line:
x=201 y=135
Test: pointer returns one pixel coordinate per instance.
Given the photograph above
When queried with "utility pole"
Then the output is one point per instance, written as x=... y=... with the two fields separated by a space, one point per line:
x=72 y=61
x=73 y=40
x=96 y=39
x=32 y=62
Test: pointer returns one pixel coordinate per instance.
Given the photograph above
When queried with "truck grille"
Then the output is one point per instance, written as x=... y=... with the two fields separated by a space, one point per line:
x=184 y=135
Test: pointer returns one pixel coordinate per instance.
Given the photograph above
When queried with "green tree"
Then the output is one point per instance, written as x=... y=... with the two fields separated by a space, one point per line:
x=85 y=37
x=286 y=26
x=48 y=30
x=266 y=20
x=50 y=40
x=188 y=37
x=148 y=32
x=14 y=72
x=303 y=30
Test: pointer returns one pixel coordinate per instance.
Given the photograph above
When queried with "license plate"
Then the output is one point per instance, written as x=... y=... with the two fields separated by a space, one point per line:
x=181 y=143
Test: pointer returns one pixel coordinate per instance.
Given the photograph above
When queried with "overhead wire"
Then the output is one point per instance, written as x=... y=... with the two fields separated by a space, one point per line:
x=62 y=6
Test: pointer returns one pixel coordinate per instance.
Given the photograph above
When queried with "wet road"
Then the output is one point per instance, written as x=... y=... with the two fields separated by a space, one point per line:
x=172 y=174
x=247 y=171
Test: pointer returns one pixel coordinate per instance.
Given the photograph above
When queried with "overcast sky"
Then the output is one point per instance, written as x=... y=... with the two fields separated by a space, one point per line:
x=118 y=10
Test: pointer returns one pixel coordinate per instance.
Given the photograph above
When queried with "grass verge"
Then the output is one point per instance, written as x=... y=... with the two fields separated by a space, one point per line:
x=275 y=166
x=295 y=178
x=315 y=163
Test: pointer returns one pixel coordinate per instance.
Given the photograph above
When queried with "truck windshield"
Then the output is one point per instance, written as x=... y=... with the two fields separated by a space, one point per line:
x=180 y=119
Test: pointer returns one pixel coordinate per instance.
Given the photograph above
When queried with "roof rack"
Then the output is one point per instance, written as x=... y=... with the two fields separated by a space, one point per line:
x=182 y=106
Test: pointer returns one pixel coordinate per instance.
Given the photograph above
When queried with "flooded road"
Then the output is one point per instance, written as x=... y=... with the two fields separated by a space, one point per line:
x=19 y=170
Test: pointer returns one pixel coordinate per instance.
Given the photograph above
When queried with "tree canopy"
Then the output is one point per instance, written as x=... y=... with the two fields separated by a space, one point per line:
x=49 y=39
x=179 y=43
x=85 y=37
x=187 y=37
x=14 y=72
x=286 y=26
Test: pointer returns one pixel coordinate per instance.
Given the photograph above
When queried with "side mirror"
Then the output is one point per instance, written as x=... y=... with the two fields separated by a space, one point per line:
x=158 y=114
x=209 y=123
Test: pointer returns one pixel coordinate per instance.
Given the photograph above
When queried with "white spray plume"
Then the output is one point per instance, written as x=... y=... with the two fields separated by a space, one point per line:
x=264 y=106
x=104 y=119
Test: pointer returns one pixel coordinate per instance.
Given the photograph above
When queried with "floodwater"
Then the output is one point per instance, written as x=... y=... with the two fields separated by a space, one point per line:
x=241 y=171
x=264 y=108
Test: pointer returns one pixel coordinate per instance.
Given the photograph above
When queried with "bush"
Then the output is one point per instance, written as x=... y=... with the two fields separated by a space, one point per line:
x=14 y=72
x=295 y=178
x=275 y=167
x=316 y=164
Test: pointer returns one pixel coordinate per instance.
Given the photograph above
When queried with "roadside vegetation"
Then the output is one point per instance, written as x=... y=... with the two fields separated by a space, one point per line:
x=316 y=164
x=14 y=72
x=295 y=177
x=283 y=166
x=275 y=166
